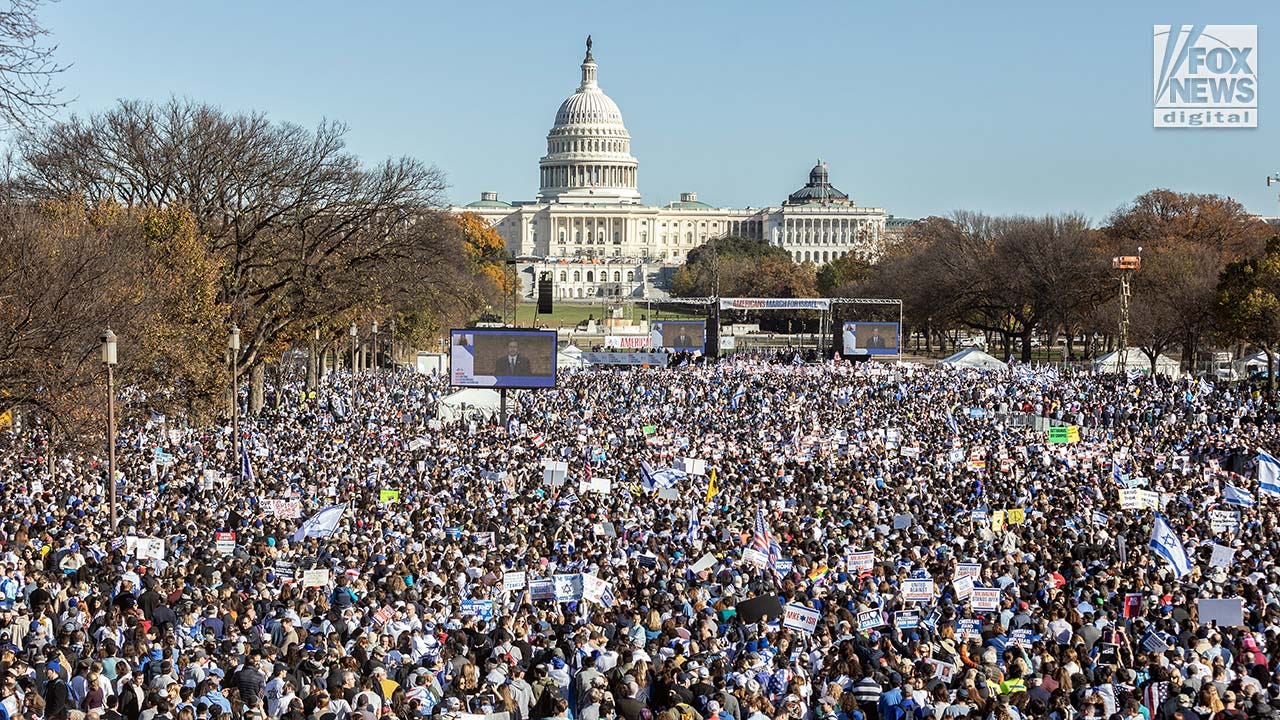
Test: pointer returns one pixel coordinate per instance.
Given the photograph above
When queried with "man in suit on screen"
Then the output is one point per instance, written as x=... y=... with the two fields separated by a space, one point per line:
x=512 y=363
x=877 y=341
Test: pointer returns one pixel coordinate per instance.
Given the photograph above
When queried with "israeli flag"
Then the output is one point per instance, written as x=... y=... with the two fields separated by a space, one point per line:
x=951 y=422
x=1268 y=473
x=246 y=467
x=694 y=524
x=322 y=524
x=567 y=501
x=1166 y=543
x=1118 y=476
x=1204 y=387
x=1233 y=495
x=737 y=397
x=659 y=478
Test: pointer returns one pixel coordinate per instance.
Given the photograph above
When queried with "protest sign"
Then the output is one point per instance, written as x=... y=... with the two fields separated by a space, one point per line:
x=541 y=589
x=1015 y=516
x=968 y=628
x=870 y=619
x=799 y=617
x=963 y=587
x=388 y=496
x=284 y=571
x=902 y=520
x=149 y=549
x=755 y=557
x=514 y=581
x=1224 y=521
x=1226 y=612
x=969 y=570
x=861 y=562
x=224 y=543
x=917 y=591
x=985 y=599
x=759 y=608
x=905 y=620
x=482 y=609
x=567 y=587
x=1222 y=556
x=593 y=588
x=943 y=671
x=317 y=577
x=1022 y=637
x=706 y=562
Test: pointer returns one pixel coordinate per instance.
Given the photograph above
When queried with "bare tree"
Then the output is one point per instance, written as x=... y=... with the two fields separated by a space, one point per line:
x=28 y=94
x=304 y=231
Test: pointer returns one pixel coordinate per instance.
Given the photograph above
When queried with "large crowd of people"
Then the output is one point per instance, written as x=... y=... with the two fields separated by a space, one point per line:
x=732 y=541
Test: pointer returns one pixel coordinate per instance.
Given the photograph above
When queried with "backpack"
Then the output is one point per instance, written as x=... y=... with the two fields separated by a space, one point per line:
x=684 y=712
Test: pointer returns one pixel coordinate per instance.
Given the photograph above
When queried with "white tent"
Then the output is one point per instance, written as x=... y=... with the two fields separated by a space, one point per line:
x=975 y=358
x=464 y=403
x=568 y=361
x=1256 y=360
x=1135 y=359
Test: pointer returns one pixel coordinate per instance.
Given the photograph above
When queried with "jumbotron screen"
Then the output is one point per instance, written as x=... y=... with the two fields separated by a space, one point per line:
x=870 y=338
x=678 y=334
x=502 y=358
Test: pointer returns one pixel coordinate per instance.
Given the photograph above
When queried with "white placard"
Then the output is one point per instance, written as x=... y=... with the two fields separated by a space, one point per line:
x=706 y=562
x=1227 y=612
x=917 y=591
x=969 y=570
x=514 y=581
x=985 y=599
x=755 y=557
x=1224 y=521
x=318 y=577
x=149 y=549
x=963 y=587
x=799 y=617
x=1222 y=557
x=861 y=562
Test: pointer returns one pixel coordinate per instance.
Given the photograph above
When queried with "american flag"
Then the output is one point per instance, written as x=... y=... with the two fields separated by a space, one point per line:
x=762 y=539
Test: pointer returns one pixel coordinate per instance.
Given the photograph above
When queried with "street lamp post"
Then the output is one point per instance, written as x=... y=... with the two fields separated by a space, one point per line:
x=391 y=357
x=109 y=359
x=233 y=345
x=375 y=347
x=353 y=332
x=313 y=363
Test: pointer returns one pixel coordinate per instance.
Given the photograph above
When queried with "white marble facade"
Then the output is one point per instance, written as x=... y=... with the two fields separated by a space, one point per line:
x=588 y=209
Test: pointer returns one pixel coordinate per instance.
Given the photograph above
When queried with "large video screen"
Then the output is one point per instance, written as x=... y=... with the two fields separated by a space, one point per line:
x=870 y=338
x=502 y=358
x=678 y=334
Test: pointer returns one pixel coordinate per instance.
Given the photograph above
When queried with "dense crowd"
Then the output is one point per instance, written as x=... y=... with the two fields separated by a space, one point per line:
x=622 y=546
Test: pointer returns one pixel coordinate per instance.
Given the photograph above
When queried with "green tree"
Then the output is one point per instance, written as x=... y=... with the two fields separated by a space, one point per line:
x=742 y=267
x=1187 y=240
x=841 y=276
x=1248 y=305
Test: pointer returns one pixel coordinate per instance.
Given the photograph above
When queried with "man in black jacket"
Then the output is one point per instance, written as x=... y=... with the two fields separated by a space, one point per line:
x=57 y=699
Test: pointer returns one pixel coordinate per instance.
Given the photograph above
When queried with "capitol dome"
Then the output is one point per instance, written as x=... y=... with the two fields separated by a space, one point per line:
x=588 y=156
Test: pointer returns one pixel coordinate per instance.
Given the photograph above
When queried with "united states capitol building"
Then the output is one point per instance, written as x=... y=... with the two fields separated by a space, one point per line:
x=590 y=230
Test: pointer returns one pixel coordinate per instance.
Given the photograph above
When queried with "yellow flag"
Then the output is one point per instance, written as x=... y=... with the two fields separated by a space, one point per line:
x=712 y=490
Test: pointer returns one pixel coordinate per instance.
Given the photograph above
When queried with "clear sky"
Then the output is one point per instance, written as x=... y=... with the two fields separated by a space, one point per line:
x=918 y=107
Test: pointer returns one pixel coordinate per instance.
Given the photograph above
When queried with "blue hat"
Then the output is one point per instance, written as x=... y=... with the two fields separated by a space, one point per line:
x=54 y=666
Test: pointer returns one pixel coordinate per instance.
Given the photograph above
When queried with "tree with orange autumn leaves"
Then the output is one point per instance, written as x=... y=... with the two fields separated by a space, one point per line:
x=75 y=271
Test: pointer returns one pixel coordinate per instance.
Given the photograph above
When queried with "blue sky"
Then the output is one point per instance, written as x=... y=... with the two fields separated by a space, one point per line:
x=920 y=108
